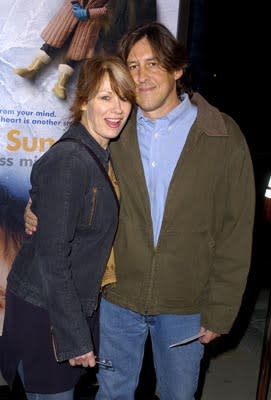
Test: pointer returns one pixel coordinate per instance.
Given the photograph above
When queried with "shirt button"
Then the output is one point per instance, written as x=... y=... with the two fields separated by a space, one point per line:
x=153 y=164
x=156 y=135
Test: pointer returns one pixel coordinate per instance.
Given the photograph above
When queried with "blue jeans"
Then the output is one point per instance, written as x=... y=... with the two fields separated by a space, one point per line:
x=68 y=395
x=122 y=338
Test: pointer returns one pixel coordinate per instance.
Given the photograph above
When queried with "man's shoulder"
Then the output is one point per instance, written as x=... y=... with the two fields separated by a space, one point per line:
x=215 y=122
x=235 y=134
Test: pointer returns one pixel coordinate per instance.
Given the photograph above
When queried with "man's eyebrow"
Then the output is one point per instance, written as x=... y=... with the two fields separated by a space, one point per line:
x=147 y=59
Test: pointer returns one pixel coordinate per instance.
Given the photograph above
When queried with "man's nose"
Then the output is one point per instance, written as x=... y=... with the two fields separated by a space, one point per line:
x=142 y=74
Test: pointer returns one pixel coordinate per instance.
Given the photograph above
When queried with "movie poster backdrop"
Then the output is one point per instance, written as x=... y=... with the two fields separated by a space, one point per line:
x=32 y=118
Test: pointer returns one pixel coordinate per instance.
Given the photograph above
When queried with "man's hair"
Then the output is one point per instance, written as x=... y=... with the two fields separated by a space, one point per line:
x=11 y=218
x=170 y=53
x=91 y=75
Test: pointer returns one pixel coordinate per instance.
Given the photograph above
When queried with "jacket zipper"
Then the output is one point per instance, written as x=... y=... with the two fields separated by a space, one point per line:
x=53 y=342
x=93 y=204
x=149 y=293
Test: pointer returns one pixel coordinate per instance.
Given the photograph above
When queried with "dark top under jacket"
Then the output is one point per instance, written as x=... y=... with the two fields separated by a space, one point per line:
x=27 y=338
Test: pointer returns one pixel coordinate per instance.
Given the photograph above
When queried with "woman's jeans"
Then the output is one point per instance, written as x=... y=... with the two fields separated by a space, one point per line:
x=68 y=395
x=122 y=339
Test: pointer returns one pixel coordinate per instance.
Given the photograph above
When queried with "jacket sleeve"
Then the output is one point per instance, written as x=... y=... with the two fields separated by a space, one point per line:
x=62 y=183
x=233 y=242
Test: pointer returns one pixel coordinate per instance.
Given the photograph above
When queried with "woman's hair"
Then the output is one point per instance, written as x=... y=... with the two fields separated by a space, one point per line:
x=91 y=75
x=11 y=219
x=170 y=53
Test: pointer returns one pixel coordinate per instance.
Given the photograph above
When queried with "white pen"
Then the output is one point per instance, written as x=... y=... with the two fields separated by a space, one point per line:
x=187 y=340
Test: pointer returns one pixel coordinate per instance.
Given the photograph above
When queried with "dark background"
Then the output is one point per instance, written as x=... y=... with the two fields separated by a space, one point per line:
x=228 y=53
x=226 y=45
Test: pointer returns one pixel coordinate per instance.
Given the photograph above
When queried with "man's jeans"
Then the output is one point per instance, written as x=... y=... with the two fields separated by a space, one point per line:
x=122 y=338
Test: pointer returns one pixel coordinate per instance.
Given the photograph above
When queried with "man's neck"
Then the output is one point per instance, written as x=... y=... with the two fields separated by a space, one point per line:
x=162 y=111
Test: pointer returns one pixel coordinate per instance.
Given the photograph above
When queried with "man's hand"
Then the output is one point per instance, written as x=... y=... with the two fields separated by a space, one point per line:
x=30 y=219
x=86 y=360
x=79 y=12
x=208 y=336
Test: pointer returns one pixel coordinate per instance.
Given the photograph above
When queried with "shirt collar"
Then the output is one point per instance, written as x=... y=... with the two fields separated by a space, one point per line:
x=180 y=111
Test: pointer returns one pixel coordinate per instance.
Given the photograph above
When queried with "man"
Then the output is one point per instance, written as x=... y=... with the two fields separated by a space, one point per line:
x=185 y=229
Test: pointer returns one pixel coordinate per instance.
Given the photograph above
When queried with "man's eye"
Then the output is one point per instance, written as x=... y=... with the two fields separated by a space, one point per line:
x=105 y=98
x=131 y=67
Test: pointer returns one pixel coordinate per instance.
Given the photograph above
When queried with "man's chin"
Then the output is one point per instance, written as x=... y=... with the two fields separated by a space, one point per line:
x=145 y=105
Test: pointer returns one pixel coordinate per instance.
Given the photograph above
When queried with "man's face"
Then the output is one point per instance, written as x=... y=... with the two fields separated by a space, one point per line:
x=155 y=87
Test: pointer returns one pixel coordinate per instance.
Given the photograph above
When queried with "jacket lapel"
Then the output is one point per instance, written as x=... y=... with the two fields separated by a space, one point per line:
x=131 y=162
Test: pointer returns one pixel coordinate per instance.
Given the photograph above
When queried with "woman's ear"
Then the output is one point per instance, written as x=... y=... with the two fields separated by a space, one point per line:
x=83 y=107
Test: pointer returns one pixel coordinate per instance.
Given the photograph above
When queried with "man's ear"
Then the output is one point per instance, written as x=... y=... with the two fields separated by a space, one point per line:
x=177 y=74
x=83 y=107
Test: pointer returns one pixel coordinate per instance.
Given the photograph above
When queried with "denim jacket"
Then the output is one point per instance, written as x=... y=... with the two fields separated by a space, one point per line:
x=60 y=267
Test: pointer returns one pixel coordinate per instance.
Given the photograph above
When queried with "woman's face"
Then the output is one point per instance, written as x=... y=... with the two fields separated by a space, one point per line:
x=105 y=114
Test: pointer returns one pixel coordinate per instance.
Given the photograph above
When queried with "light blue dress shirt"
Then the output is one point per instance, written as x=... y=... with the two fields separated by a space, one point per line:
x=161 y=143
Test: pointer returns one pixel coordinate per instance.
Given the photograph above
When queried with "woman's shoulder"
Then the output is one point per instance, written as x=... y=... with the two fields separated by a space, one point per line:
x=63 y=155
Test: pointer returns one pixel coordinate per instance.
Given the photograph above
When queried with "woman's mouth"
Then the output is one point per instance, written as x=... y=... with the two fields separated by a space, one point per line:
x=113 y=122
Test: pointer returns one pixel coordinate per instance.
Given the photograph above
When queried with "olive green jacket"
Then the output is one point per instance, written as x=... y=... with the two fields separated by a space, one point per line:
x=203 y=253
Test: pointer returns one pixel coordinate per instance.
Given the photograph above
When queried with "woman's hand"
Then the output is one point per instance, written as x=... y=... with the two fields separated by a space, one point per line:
x=30 y=219
x=86 y=360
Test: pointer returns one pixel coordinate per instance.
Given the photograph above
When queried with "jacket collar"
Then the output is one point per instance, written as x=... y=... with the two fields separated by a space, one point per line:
x=79 y=132
x=209 y=119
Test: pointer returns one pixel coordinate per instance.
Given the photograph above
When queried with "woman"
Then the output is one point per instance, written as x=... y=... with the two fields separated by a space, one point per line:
x=55 y=280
